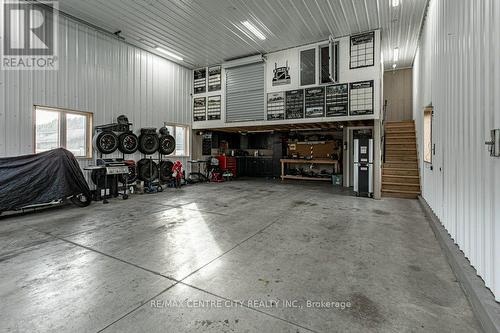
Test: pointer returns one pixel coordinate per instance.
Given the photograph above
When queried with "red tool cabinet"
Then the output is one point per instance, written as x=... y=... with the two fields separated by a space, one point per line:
x=228 y=163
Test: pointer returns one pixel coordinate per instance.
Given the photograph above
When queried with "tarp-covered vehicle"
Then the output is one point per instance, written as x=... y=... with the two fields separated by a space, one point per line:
x=46 y=178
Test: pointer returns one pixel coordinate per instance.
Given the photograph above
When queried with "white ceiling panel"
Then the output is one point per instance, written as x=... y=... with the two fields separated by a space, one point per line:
x=207 y=32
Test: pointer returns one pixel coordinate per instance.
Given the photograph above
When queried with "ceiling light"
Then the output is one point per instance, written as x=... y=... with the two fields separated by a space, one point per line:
x=170 y=54
x=395 y=54
x=395 y=3
x=394 y=66
x=253 y=29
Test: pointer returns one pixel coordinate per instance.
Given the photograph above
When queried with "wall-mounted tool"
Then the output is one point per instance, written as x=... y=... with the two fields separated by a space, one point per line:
x=494 y=144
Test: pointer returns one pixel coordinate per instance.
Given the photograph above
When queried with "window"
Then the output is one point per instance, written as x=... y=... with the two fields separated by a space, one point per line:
x=325 y=64
x=308 y=67
x=329 y=62
x=334 y=61
x=180 y=133
x=56 y=128
x=428 y=112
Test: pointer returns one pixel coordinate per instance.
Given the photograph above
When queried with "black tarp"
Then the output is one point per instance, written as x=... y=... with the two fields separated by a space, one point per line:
x=40 y=178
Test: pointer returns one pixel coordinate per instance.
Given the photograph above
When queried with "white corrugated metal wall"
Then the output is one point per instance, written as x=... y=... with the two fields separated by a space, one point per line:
x=457 y=69
x=100 y=74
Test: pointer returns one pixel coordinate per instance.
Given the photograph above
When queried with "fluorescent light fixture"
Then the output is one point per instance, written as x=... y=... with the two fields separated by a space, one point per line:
x=253 y=29
x=395 y=3
x=170 y=54
x=395 y=54
x=394 y=66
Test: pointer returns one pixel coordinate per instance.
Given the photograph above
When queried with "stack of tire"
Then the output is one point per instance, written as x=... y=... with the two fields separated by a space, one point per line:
x=149 y=143
x=116 y=136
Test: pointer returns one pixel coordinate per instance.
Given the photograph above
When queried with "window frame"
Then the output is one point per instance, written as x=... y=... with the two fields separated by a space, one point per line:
x=187 y=138
x=428 y=149
x=320 y=64
x=316 y=66
x=62 y=127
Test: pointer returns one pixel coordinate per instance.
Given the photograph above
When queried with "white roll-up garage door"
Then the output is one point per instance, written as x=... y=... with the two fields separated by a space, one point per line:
x=245 y=93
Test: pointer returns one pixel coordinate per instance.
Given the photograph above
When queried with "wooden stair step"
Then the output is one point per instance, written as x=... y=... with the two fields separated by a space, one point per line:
x=401 y=164
x=399 y=145
x=398 y=168
x=403 y=155
x=395 y=143
x=389 y=172
x=404 y=135
x=403 y=150
x=400 y=141
x=400 y=130
x=402 y=176
x=404 y=122
x=400 y=153
x=401 y=195
x=399 y=171
x=400 y=186
x=397 y=159
x=401 y=191
x=394 y=152
x=398 y=179
x=395 y=183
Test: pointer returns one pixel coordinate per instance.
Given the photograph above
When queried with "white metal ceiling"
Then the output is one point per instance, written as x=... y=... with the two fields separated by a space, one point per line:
x=207 y=32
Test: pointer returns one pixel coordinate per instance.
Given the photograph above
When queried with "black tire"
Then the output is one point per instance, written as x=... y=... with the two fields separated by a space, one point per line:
x=128 y=143
x=148 y=143
x=131 y=177
x=147 y=170
x=165 y=170
x=164 y=131
x=166 y=145
x=106 y=142
x=81 y=200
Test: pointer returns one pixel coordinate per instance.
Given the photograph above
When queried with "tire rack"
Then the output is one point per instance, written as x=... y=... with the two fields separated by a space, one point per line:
x=100 y=155
x=153 y=185
x=155 y=182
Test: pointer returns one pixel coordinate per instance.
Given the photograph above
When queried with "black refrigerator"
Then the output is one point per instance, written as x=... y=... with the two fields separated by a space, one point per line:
x=363 y=167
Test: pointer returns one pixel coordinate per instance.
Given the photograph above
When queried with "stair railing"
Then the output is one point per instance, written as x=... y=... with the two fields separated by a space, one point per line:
x=382 y=130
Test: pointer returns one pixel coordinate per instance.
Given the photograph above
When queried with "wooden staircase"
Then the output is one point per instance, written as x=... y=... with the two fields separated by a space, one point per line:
x=400 y=174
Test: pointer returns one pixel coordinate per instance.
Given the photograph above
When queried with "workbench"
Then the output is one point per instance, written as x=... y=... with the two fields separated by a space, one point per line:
x=303 y=161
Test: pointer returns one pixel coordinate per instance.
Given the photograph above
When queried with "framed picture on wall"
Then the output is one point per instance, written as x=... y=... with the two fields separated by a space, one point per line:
x=199 y=109
x=294 y=104
x=337 y=100
x=276 y=106
x=362 y=50
x=361 y=98
x=200 y=80
x=214 y=107
x=315 y=102
x=214 y=78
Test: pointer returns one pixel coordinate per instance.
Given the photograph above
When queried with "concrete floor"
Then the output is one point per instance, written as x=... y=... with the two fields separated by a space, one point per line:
x=170 y=262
